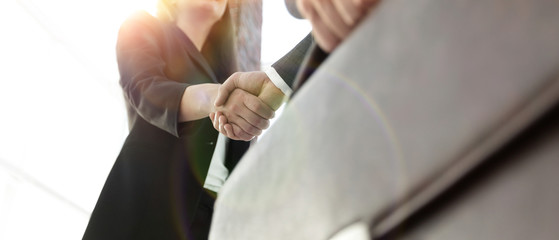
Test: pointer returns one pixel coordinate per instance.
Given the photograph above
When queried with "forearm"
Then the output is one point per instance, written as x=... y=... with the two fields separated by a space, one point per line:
x=197 y=101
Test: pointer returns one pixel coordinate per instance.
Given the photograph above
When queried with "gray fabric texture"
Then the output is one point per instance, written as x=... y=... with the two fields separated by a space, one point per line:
x=421 y=93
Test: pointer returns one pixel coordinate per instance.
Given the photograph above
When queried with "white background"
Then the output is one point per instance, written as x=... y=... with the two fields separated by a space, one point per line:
x=62 y=117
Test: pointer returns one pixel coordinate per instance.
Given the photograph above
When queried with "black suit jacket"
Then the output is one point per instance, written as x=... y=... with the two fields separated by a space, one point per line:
x=300 y=68
x=155 y=185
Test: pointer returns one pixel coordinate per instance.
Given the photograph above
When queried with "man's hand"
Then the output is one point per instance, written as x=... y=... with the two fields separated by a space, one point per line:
x=230 y=130
x=249 y=114
x=333 y=20
x=256 y=83
x=252 y=83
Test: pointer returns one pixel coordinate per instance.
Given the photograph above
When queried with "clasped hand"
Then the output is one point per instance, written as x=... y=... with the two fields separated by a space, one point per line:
x=244 y=105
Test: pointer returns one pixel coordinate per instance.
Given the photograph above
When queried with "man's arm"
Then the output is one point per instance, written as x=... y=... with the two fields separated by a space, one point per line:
x=332 y=22
x=273 y=87
x=288 y=66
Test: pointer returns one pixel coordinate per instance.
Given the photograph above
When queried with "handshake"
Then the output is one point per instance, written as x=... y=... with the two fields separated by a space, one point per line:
x=247 y=100
x=244 y=105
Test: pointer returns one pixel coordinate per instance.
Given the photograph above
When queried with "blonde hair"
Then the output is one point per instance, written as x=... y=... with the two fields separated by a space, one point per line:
x=166 y=10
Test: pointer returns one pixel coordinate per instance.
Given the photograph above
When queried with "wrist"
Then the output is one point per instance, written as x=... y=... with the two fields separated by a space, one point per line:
x=277 y=80
x=197 y=101
x=271 y=95
x=207 y=105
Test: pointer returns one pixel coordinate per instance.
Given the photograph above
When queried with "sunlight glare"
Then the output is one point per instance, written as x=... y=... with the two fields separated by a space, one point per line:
x=64 y=119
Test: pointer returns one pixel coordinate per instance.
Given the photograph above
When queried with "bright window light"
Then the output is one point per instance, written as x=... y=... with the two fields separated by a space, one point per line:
x=63 y=117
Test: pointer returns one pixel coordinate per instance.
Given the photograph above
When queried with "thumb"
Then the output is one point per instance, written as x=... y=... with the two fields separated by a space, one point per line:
x=225 y=89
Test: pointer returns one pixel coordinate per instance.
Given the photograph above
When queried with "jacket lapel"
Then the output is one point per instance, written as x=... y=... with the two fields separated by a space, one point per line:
x=196 y=56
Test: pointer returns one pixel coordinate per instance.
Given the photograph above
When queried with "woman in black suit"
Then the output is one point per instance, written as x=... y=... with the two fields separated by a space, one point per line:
x=170 y=69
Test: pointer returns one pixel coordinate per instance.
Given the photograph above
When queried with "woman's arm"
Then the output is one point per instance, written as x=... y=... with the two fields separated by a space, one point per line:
x=164 y=102
x=249 y=113
x=146 y=88
x=197 y=101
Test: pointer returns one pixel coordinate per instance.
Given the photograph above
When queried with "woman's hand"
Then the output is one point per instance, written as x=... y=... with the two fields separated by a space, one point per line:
x=249 y=114
x=230 y=130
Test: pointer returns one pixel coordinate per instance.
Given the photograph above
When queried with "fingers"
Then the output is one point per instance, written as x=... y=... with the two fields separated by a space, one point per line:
x=242 y=112
x=236 y=133
x=212 y=117
x=259 y=107
x=247 y=111
x=323 y=35
x=248 y=107
x=214 y=122
x=333 y=20
x=221 y=121
x=251 y=82
x=245 y=125
x=366 y=4
x=348 y=11
x=217 y=122
x=331 y=17
x=226 y=88
x=231 y=131
x=239 y=133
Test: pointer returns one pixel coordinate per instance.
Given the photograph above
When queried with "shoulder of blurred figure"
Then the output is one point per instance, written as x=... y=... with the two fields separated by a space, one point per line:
x=140 y=22
x=140 y=19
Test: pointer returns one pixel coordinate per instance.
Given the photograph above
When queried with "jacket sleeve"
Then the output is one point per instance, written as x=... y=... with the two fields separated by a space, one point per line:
x=288 y=66
x=146 y=87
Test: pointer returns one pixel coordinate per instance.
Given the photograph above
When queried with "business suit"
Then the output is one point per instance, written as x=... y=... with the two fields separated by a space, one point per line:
x=313 y=58
x=435 y=119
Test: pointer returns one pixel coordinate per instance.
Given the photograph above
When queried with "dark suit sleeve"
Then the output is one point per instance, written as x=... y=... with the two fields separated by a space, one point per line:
x=288 y=66
x=146 y=88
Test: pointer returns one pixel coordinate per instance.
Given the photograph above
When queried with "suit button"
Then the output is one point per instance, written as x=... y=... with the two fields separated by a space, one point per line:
x=212 y=143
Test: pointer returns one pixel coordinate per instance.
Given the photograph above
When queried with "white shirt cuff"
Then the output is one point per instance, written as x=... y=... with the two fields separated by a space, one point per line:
x=278 y=81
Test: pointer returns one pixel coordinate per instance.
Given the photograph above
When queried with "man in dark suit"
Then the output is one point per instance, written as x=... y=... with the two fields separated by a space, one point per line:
x=332 y=21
